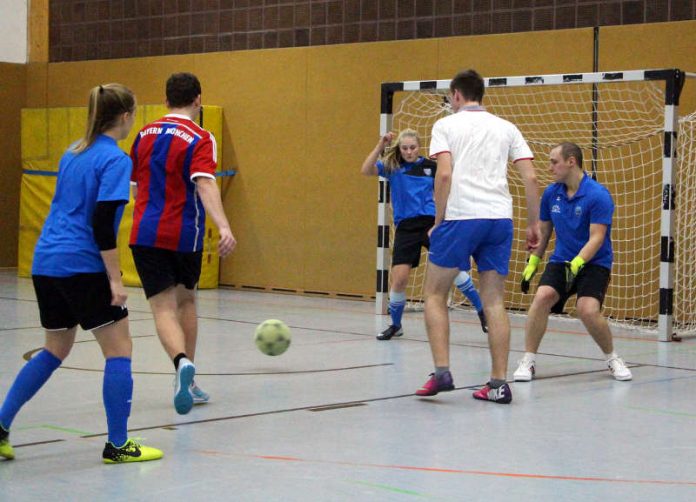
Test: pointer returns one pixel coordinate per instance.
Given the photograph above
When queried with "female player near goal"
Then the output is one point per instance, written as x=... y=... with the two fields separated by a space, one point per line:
x=411 y=180
x=76 y=272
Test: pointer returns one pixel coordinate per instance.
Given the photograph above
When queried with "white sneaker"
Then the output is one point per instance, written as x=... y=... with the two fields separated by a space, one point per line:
x=618 y=369
x=525 y=369
x=199 y=395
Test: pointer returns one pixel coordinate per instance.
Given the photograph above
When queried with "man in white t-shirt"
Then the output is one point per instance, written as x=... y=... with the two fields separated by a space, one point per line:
x=474 y=219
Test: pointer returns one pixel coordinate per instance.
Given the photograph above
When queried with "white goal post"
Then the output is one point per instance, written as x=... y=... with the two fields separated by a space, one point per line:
x=627 y=124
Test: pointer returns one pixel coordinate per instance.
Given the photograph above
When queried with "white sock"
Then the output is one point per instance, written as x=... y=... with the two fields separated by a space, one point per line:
x=530 y=356
x=610 y=356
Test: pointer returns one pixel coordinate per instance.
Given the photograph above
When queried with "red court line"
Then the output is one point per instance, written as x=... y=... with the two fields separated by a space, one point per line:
x=484 y=473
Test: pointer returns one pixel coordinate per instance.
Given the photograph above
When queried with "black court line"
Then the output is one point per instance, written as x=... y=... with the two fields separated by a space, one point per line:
x=17 y=299
x=577 y=373
x=323 y=407
x=297 y=372
x=37 y=328
x=369 y=335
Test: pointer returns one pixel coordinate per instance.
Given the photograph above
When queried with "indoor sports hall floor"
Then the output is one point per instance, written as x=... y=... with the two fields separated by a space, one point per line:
x=335 y=418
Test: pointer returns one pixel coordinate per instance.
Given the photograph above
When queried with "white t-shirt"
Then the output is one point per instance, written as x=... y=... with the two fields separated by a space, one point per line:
x=480 y=144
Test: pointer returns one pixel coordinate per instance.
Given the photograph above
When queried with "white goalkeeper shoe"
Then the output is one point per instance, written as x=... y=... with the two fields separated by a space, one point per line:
x=525 y=369
x=619 y=369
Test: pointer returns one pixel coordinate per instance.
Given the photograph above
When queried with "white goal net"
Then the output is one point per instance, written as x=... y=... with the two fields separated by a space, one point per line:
x=621 y=128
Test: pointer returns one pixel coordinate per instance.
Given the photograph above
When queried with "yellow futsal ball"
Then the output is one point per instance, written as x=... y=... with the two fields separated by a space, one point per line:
x=272 y=337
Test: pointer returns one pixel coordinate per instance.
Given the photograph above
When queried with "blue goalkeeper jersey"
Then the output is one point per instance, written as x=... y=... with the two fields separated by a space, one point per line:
x=572 y=218
x=411 y=188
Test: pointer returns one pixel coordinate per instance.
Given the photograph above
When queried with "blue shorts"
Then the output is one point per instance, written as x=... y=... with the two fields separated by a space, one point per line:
x=454 y=242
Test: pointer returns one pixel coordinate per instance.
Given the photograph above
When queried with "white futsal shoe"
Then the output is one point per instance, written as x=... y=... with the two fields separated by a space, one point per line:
x=619 y=369
x=525 y=369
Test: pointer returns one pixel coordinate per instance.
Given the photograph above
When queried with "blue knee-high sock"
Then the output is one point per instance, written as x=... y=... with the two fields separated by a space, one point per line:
x=117 y=392
x=27 y=383
x=466 y=286
x=397 y=302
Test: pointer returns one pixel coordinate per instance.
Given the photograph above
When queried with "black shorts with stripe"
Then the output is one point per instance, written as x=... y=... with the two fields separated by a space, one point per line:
x=411 y=235
x=84 y=299
x=592 y=280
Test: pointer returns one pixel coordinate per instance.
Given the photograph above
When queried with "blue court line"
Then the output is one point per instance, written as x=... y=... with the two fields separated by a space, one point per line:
x=36 y=172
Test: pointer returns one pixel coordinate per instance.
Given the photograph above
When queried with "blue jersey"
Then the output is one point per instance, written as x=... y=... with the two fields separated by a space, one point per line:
x=572 y=218
x=411 y=188
x=100 y=173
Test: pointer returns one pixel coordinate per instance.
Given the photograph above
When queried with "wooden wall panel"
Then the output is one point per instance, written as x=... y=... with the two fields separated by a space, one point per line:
x=12 y=96
x=298 y=123
x=343 y=107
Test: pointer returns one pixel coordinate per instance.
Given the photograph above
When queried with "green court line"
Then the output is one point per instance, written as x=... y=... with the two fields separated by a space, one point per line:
x=663 y=412
x=55 y=428
x=390 y=488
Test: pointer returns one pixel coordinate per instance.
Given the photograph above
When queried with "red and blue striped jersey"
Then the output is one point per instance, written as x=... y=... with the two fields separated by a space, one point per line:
x=168 y=154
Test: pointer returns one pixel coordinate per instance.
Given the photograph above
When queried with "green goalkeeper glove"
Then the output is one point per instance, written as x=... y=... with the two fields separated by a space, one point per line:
x=529 y=272
x=572 y=269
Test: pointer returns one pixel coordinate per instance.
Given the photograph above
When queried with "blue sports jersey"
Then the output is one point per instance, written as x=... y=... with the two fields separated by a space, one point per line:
x=411 y=188
x=100 y=173
x=572 y=217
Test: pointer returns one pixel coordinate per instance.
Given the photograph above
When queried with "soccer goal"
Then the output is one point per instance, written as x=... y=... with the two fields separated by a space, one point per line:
x=634 y=142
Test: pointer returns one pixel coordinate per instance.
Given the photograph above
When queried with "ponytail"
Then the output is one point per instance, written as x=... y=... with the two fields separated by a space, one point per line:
x=106 y=104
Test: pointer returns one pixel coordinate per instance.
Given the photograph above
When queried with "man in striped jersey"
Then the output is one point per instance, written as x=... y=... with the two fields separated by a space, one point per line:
x=174 y=162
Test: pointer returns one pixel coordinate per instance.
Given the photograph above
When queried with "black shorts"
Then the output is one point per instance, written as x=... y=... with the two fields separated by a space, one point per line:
x=161 y=269
x=83 y=299
x=592 y=281
x=410 y=236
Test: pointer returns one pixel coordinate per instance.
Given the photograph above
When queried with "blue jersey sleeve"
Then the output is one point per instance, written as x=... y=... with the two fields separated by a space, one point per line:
x=602 y=208
x=380 y=168
x=115 y=179
x=545 y=206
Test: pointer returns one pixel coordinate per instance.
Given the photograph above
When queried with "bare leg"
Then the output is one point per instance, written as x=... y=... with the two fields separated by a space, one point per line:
x=188 y=318
x=59 y=343
x=492 y=296
x=590 y=313
x=538 y=316
x=114 y=339
x=399 y=277
x=170 y=332
x=438 y=281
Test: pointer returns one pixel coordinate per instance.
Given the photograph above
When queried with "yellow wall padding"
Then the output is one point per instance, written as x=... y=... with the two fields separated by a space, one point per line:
x=46 y=133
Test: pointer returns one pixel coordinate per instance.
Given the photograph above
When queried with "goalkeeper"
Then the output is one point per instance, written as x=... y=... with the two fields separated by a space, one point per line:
x=580 y=210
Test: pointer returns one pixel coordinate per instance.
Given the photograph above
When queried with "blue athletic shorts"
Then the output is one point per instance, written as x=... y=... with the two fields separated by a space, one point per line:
x=454 y=242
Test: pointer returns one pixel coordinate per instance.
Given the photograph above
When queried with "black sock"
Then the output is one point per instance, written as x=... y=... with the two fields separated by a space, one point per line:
x=178 y=358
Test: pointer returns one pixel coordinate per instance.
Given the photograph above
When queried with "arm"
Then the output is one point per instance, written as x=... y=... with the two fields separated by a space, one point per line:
x=103 y=226
x=113 y=270
x=210 y=197
x=546 y=229
x=536 y=256
x=574 y=266
x=531 y=188
x=597 y=234
x=368 y=167
x=443 y=183
x=134 y=190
